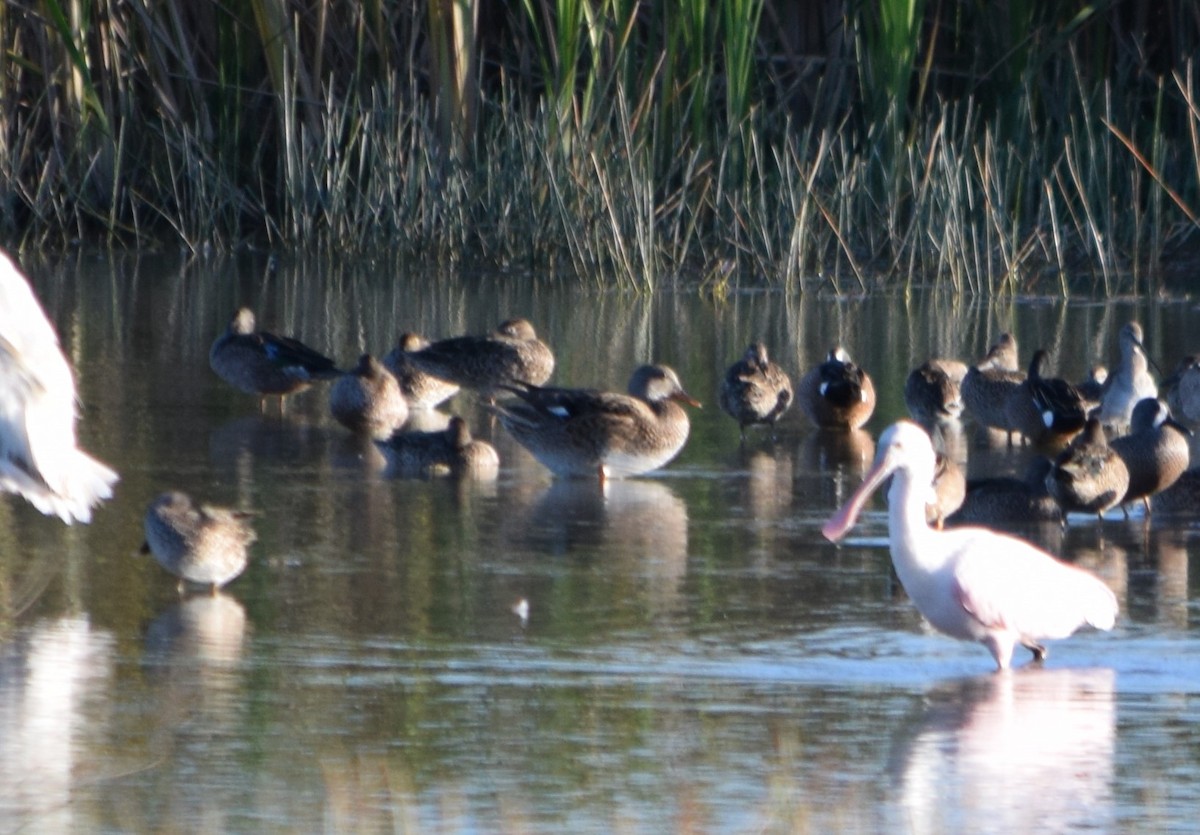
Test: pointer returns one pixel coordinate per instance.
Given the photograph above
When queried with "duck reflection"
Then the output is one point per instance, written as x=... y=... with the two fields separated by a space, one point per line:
x=201 y=631
x=48 y=675
x=275 y=439
x=768 y=490
x=836 y=461
x=1029 y=751
x=639 y=526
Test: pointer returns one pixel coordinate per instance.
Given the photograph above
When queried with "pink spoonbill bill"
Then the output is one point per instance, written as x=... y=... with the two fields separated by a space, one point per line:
x=972 y=583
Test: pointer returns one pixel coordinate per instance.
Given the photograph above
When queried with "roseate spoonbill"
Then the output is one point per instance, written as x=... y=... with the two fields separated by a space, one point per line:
x=755 y=390
x=1155 y=451
x=39 y=456
x=989 y=383
x=837 y=394
x=368 y=400
x=1130 y=382
x=258 y=362
x=932 y=394
x=199 y=544
x=972 y=583
x=583 y=432
x=422 y=391
x=449 y=451
x=510 y=354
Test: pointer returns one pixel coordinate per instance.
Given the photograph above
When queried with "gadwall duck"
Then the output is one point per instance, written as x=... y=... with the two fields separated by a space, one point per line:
x=1129 y=383
x=367 y=400
x=933 y=395
x=755 y=390
x=837 y=394
x=589 y=433
x=1088 y=476
x=452 y=451
x=988 y=385
x=39 y=455
x=510 y=354
x=422 y=391
x=1046 y=410
x=202 y=545
x=1005 y=500
x=1155 y=451
x=262 y=363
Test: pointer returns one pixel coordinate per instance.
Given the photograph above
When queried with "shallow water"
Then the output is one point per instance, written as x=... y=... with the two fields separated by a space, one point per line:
x=696 y=657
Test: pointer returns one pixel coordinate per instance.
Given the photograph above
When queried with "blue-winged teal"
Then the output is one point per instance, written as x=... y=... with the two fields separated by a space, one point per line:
x=1010 y=501
x=589 y=433
x=1155 y=451
x=1088 y=476
x=837 y=394
x=1046 y=410
x=932 y=395
x=755 y=390
x=367 y=400
x=510 y=354
x=451 y=451
x=262 y=363
x=39 y=456
x=1183 y=391
x=202 y=545
x=988 y=385
x=1129 y=382
x=422 y=391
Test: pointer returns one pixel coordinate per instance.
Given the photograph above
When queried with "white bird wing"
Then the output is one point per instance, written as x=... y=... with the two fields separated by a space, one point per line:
x=38 y=456
x=1006 y=583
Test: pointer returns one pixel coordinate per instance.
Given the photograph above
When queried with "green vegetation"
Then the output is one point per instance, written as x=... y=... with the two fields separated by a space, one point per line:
x=985 y=147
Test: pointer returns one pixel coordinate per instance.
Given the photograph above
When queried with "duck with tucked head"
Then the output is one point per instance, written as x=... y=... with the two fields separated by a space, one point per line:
x=837 y=394
x=262 y=363
x=510 y=354
x=755 y=390
x=1156 y=451
x=199 y=544
x=1088 y=476
x=451 y=451
x=590 y=433
x=972 y=583
x=990 y=383
x=368 y=400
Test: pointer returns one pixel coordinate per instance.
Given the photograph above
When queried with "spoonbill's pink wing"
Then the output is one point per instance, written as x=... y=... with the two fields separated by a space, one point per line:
x=1006 y=583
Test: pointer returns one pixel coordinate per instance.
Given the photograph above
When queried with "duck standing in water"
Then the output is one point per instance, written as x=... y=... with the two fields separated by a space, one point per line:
x=367 y=400
x=199 y=544
x=1129 y=382
x=989 y=384
x=1088 y=476
x=1156 y=450
x=39 y=455
x=933 y=394
x=451 y=451
x=755 y=390
x=972 y=583
x=590 y=433
x=510 y=354
x=837 y=394
x=262 y=363
x=1046 y=410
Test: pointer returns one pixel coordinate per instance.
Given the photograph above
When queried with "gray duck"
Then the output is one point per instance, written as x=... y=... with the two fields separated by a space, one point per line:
x=262 y=363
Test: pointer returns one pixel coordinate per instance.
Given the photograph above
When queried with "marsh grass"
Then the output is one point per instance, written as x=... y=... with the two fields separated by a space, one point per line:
x=610 y=140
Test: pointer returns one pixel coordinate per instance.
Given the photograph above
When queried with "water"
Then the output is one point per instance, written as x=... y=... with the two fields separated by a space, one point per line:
x=695 y=658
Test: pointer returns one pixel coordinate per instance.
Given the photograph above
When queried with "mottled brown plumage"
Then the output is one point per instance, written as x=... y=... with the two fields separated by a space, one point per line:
x=367 y=400
x=422 y=391
x=988 y=385
x=1155 y=451
x=510 y=354
x=202 y=545
x=1088 y=476
x=262 y=363
x=755 y=390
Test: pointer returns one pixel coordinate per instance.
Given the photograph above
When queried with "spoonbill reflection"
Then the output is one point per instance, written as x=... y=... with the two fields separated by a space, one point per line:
x=972 y=583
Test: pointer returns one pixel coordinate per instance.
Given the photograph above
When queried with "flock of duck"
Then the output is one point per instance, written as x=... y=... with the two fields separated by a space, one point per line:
x=970 y=582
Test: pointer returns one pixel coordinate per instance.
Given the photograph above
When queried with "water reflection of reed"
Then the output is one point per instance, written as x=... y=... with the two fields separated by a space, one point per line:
x=1030 y=751
x=48 y=675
